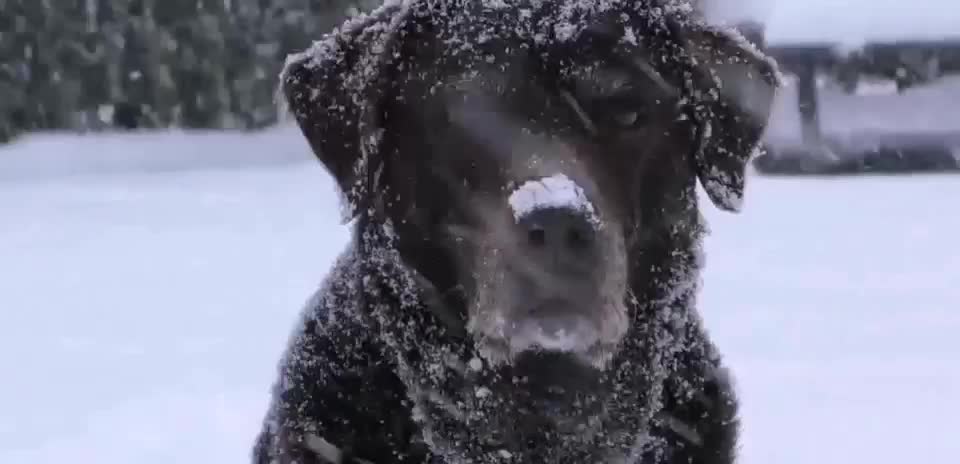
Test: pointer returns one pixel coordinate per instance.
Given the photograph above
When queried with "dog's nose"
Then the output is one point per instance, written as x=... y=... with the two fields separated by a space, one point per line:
x=562 y=238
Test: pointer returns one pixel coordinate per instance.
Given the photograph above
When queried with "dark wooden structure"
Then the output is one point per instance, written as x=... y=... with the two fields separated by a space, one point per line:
x=908 y=63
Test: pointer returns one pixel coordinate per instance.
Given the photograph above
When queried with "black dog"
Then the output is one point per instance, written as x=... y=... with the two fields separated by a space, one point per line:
x=521 y=284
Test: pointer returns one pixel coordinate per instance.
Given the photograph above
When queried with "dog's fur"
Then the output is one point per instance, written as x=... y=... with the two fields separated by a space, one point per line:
x=427 y=113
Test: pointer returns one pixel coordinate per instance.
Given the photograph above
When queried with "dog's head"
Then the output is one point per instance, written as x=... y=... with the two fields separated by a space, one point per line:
x=537 y=160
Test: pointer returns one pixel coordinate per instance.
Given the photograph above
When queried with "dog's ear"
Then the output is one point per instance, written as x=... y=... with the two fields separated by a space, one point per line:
x=735 y=85
x=335 y=90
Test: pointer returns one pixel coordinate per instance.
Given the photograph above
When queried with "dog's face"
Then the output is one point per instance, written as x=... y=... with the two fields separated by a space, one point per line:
x=540 y=180
x=547 y=182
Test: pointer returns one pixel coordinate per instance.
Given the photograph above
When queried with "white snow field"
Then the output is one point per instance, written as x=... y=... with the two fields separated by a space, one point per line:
x=148 y=283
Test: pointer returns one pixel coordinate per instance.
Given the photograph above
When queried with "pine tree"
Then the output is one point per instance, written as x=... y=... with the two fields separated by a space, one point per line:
x=92 y=64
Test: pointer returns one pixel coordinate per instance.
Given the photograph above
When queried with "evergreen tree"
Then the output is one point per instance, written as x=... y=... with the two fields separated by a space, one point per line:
x=92 y=64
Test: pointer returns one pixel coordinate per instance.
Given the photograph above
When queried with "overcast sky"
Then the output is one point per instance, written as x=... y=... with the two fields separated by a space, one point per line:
x=849 y=21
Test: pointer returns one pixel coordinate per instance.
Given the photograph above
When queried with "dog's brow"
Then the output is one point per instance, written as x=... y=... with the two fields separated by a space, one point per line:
x=480 y=119
x=602 y=81
x=581 y=114
x=643 y=67
x=479 y=80
x=626 y=70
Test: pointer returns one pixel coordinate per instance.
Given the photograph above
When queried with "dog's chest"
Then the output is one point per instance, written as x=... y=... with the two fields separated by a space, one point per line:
x=503 y=432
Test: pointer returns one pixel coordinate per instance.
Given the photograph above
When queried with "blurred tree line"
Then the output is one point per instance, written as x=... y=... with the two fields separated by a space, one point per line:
x=95 y=64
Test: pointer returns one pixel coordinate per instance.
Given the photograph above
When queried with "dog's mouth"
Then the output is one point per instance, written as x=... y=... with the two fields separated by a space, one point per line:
x=555 y=326
x=552 y=327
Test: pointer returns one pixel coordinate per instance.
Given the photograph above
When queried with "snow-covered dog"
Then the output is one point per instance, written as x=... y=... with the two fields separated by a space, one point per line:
x=521 y=284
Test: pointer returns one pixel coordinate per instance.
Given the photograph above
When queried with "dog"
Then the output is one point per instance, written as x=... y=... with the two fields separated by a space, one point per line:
x=521 y=177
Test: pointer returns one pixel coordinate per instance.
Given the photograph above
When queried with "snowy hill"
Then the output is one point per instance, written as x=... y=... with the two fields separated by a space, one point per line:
x=148 y=283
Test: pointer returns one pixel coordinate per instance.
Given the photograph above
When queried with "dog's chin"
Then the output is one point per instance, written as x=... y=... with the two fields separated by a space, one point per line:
x=556 y=371
x=553 y=389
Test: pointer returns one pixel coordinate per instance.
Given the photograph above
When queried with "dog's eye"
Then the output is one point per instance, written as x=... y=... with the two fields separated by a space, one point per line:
x=633 y=111
x=628 y=115
x=626 y=118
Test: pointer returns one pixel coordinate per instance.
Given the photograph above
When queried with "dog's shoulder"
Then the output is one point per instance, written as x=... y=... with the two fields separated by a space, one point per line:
x=331 y=326
x=336 y=392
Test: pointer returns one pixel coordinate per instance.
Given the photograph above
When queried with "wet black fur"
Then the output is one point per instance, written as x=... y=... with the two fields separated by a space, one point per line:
x=342 y=385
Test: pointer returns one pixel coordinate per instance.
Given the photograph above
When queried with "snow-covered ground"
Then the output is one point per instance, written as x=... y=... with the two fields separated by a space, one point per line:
x=148 y=284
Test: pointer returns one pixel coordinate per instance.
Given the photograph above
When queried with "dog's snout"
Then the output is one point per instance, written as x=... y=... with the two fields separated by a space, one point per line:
x=562 y=236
